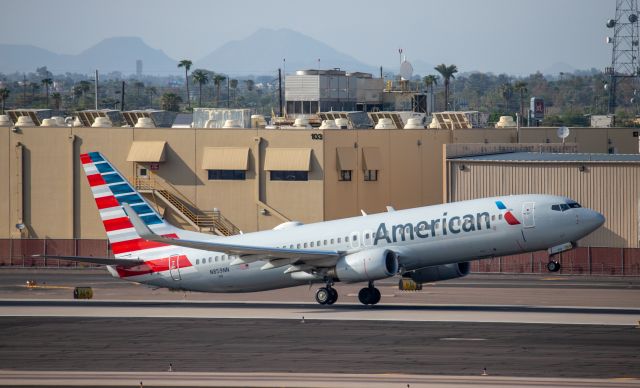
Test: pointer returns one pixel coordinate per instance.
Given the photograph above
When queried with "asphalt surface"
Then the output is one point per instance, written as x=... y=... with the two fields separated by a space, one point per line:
x=368 y=347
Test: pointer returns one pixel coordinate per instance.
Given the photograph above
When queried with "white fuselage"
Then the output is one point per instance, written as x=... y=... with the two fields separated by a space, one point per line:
x=422 y=237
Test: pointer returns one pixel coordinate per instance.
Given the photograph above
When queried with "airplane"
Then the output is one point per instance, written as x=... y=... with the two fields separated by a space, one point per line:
x=424 y=244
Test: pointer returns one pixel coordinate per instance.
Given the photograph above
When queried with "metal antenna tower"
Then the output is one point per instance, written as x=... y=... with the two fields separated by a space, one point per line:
x=626 y=48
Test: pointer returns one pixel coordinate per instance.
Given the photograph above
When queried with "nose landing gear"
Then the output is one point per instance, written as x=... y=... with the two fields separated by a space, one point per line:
x=369 y=295
x=553 y=266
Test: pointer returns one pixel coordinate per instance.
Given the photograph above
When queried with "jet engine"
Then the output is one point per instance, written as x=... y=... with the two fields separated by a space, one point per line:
x=439 y=272
x=367 y=265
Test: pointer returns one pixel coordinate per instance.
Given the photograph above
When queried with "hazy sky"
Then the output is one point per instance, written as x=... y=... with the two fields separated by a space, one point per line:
x=513 y=36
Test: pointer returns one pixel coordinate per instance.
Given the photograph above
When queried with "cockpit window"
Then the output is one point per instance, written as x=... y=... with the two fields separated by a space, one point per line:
x=563 y=207
x=573 y=205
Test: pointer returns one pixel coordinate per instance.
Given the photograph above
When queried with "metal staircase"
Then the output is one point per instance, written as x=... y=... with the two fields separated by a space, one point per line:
x=201 y=220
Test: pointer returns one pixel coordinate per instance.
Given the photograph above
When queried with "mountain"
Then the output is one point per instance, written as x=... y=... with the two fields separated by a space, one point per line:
x=262 y=52
x=113 y=54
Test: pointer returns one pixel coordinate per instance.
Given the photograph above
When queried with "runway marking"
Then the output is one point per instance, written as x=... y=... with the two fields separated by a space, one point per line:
x=554 y=278
x=462 y=339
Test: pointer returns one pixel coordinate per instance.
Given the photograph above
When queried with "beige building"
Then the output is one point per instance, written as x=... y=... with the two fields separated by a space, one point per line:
x=608 y=183
x=251 y=179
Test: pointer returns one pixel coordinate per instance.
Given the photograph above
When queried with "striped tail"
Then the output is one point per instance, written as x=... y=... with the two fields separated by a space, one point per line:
x=110 y=190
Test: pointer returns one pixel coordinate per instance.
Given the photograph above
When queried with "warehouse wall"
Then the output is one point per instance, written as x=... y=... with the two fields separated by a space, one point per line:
x=610 y=188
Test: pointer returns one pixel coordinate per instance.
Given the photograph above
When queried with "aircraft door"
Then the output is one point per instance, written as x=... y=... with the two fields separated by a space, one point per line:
x=174 y=267
x=528 y=214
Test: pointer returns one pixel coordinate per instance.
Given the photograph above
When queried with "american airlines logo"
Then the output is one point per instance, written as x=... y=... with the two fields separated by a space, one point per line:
x=453 y=225
x=424 y=229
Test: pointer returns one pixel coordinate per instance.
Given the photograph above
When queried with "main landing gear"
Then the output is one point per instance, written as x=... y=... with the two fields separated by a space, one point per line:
x=369 y=295
x=327 y=295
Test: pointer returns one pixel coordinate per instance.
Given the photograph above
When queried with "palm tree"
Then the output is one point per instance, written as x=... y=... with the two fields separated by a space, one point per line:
x=202 y=78
x=234 y=85
x=4 y=96
x=187 y=66
x=170 y=102
x=151 y=91
x=57 y=99
x=250 y=84
x=507 y=92
x=429 y=82
x=85 y=86
x=217 y=80
x=447 y=72
x=139 y=86
x=521 y=87
x=47 y=82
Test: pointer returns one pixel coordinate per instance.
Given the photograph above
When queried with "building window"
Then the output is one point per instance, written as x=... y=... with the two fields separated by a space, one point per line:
x=227 y=175
x=371 y=175
x=289 y=175
x=345 y=175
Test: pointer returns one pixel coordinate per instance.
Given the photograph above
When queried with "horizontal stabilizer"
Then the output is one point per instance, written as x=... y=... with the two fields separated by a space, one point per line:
x=95 y=260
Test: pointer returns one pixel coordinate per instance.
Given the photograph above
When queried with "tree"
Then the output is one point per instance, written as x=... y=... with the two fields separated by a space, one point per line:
x=234 y=85
x=139 y=86
x=57 y=99
x=187 y=66
x=47 y=82
x=202 y=78
x=506 y=90
x=521 y=87
x=151 y=91
x=217 y=80
x=84 y=87
x=447 y=72
x=4 y=96
x=170 y=102
x=250 y=84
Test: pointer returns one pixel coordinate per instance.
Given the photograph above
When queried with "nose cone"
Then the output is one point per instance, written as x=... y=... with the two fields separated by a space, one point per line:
x=594 y=220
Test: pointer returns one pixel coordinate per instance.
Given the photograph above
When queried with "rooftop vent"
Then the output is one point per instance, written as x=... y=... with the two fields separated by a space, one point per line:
x=145 y=122
x=231 y=124
x=102 y=122
x=414 y=124
x=385 y=123
x=329 y=124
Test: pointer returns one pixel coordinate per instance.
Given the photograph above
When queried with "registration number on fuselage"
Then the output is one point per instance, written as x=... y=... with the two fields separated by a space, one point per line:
x=218 y=271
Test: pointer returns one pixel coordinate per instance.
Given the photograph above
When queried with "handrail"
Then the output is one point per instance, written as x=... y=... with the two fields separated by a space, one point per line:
x=206 y=219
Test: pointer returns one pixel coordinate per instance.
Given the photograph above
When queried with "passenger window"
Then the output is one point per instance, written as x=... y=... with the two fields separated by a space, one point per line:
x=346 y=239
x=339 y=240
x=366 y=235
x=332 y=241
x=493 y=217
x=355 y=238
x=318 y=244
x=499 y=216
x=197 y=261
x=298 y=246
x=325 y=242
x=311 y=244
x=216 y=259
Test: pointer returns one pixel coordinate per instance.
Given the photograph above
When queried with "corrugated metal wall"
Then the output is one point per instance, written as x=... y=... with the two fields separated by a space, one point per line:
x=610 y=188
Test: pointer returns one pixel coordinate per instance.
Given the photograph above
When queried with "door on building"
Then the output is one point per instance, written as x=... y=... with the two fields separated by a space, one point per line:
x=174 y=267
x=528 y=216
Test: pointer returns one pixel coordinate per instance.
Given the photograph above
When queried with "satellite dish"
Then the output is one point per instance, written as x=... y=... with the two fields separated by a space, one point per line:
x=563 y=133
x=406 y=70
x=609 y=40
x=611 y=23
x=633 y=18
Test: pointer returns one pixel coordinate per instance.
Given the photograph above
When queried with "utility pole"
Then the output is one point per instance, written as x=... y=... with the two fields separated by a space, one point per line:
x=122 y=98
x=280 y=91
x=96 y=89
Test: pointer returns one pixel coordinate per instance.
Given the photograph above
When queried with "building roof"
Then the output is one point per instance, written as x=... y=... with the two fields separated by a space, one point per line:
x=551 y=157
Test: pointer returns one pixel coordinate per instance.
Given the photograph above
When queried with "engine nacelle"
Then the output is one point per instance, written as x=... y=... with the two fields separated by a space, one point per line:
x=372 y=264
x=439 y=272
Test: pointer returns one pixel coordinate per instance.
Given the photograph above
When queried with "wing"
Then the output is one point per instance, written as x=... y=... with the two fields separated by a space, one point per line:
x=95 y=260
x=247 y=253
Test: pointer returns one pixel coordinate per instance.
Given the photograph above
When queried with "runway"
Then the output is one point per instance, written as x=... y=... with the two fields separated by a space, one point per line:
x=527 y=331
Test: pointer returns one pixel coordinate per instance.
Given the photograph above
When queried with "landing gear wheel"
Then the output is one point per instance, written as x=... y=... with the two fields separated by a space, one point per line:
x=323 y=295
x=369 y=295
x=553 y=266
x=333 y=297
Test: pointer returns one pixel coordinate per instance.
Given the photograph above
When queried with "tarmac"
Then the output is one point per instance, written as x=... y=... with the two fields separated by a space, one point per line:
x=525 y=330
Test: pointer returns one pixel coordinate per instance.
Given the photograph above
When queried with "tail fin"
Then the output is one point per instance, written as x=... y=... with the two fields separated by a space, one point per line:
x=110 y=190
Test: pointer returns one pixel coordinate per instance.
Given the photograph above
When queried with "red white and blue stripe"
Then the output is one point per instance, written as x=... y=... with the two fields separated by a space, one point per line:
x=508 y=216
x=110 y=190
